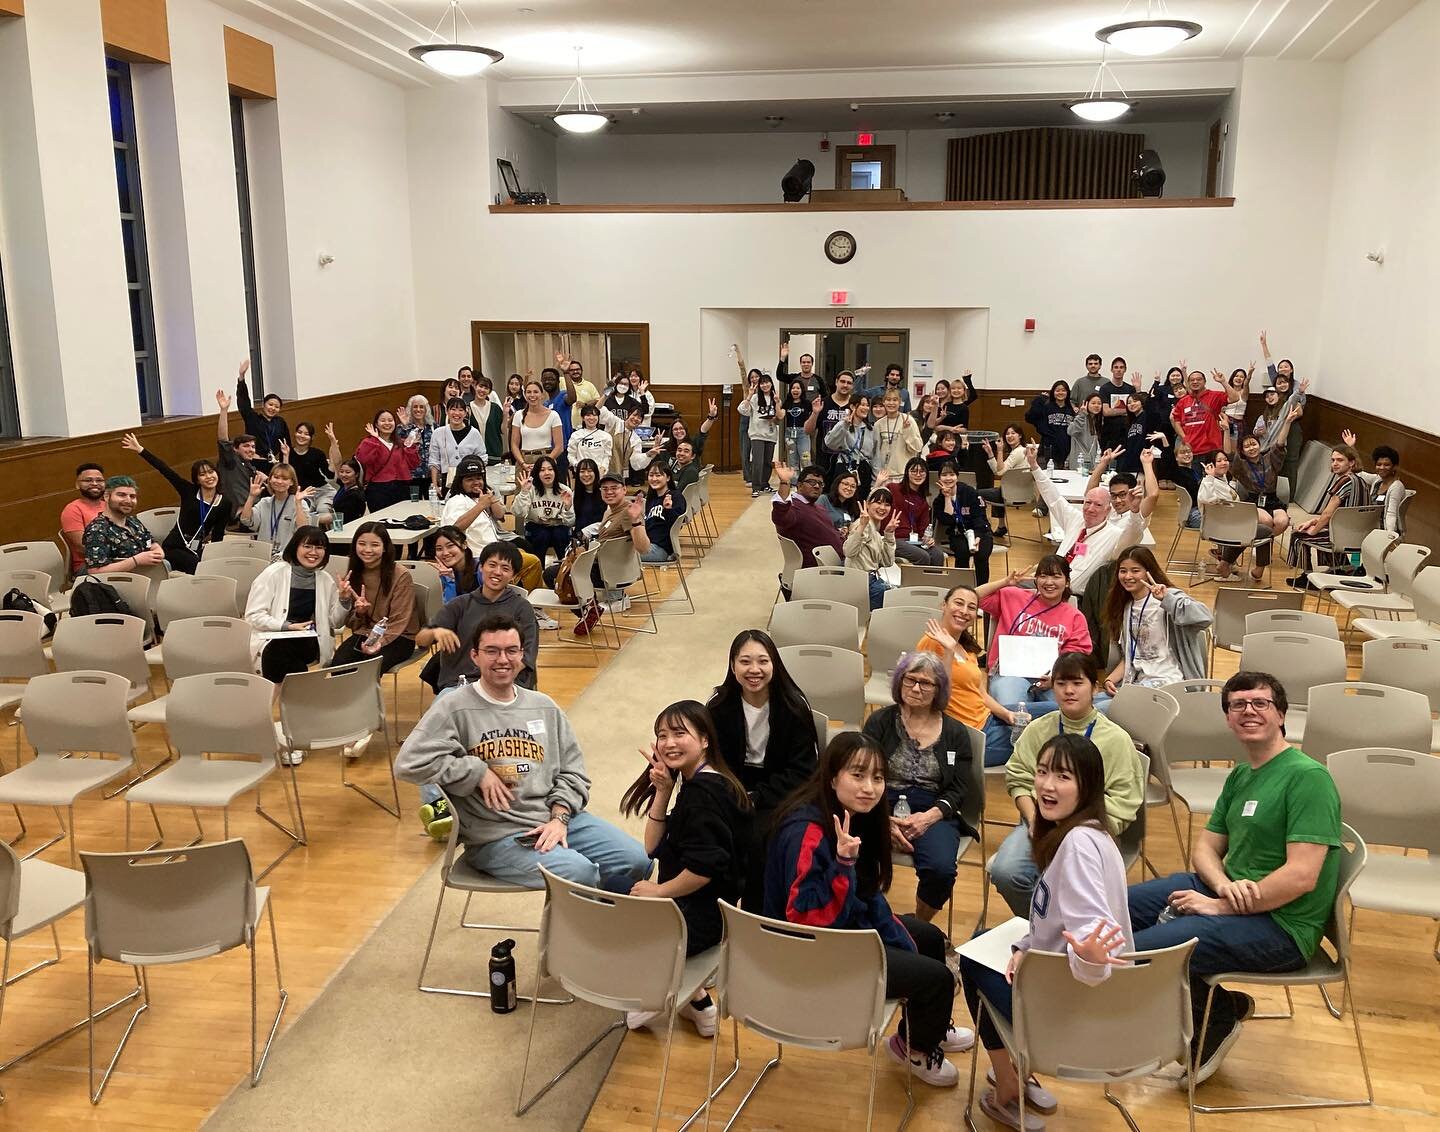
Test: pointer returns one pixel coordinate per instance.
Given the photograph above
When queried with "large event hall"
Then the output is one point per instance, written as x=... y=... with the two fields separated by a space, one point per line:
x=766 y=565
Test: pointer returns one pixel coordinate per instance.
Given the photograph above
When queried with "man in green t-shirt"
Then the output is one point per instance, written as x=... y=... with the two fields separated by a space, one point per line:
x=1266 y=868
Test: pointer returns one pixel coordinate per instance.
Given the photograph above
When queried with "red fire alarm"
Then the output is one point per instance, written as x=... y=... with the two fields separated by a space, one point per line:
x=864 y=139
x=1029 y=326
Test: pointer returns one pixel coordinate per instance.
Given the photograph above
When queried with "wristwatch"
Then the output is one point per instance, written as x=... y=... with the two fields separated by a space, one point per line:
x=563 y=817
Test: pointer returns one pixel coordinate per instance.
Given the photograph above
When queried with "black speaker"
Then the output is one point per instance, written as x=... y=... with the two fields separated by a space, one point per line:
x=1149 y=174
x=796 y=183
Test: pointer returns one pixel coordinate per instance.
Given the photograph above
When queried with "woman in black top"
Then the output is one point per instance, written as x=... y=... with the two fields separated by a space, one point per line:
x=767 y=738
x=204 y=511
x=1137 y=432
x=312 y=468
x=952 y=410
x=589 y=507
x=1050 y=414
x=957 y=512
x=349 y=499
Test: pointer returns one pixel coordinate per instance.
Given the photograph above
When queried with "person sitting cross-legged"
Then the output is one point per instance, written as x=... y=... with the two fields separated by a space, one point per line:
x=508 y=758
x=1266 y=868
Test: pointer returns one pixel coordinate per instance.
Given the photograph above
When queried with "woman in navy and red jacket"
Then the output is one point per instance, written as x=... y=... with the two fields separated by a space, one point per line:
x=828 y=866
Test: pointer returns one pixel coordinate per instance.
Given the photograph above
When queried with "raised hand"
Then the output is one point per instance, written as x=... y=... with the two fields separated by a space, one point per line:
x=1218 y=376
x=303 y=494
x=1101 y=946
x=559 y=359
x=636 y=508
x=284 y=452
x=362 y=603
x=244 y=368
x=370 y=431
x=1146 y=457
x=224 y=400
x=817 y=404
x=1032 y=456
x=131 y=444
x=257 y=485
x=1296 y=412
x=937 y=633
x=1305 y=385
x=412 y=438
x=894 y=521
x=784 y=472
x=1209 y=469
x=784 y=349
x=660 y=776
x=1157 y=591
x=1158 y=437
x=1348 y=436
x=989 y=450
x=666 y=502
x=330 y=433
x=846 y=844
x=1264 y=343
x=1015 y=577
x=714 y=408
x=882 y=477
x=347 y=593
x=1111 y=454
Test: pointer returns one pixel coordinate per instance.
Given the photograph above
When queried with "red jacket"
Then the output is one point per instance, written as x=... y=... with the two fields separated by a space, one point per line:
x=387 y=465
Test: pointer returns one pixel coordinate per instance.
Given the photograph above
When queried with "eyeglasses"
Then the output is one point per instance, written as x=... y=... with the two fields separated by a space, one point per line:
x=496 y=653
x=811 y=481
x=1240 y=707
x=917 y=682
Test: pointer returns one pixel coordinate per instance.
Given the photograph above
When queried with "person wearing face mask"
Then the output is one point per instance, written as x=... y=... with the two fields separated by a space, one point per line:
x=767 y=737
x=204 y=512
x=295 y=595
x=1075 y=681
x=266 y=425
x=1050 y=414
x=699 y=843
x=1160 y=629
x=829 y=866
x=76 y=515
x=1091 y=534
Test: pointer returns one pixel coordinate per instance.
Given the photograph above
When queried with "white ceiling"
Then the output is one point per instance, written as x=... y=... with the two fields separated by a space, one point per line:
x=630 y=37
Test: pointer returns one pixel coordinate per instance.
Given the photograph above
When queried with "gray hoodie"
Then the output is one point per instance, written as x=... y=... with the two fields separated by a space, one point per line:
x=529 y=743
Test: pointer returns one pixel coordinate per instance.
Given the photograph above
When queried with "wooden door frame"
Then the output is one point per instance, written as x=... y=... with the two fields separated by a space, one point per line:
x=480 y=326
x=884 y=153
x=1214 y=154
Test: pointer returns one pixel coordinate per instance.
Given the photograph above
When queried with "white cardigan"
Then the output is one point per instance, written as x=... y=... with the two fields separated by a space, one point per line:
x=268 y=607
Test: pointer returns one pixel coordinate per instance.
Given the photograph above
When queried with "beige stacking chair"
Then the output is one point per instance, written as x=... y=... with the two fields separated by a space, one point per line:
x=193 y=595
x=47 y=558
x=620 y=568
x=1372 y=579
x=1425 y=596
x=1323 y=970
x=1017 y=491
x=894 y=630
x=160 y=521
x=22 y=656
x=1292 y=621
x=136 y=590
x=333 y=707
x=1392 y=798
x=1406 y=664
x=1301 y=661
x=1136 y=1021
x=1198 y=734
x=225 y=713
x=928 y=597
x=35 y=895
x=243 y=568
x=54 y=728
x=1233 y=606
x=835 y=583
x=619 y=952
x=173 y=906
x=584 y=595
x=827 y=556
x=791 y=559
x=1402 y=565
x=815 y=621
x=238 y=546
x=1232 y=524
x=833 y=680
x=1352 y=714
x=1146 y=715
x=816 y=988
x=34 y=584
x=944 y=577
x=195 y=646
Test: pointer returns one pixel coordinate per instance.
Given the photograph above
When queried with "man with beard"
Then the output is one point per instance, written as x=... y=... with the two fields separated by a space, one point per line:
x=76 y=515
x=115 y=539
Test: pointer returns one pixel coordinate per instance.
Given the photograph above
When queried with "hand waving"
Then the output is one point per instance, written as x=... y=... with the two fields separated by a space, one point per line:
x=1100 y=946
x=224 y=400
x=131 y=444
x=937 y=633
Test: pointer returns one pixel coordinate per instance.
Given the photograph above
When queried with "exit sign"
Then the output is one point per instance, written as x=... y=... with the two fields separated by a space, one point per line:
x=839 y=298
x=864 y=139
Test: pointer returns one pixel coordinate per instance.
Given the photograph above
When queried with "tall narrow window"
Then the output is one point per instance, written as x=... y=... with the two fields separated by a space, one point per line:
x=132 y=230
x=247 y=243
x=9 y=407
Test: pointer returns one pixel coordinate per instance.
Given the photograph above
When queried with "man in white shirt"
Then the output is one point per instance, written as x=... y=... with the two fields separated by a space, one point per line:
x=1093 y=535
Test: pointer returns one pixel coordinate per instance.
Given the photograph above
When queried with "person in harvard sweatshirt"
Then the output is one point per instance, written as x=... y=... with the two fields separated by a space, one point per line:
x=828 y=866
x=509 y=762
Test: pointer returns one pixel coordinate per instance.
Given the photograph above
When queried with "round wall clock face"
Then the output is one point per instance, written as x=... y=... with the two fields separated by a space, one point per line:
x=840 y=247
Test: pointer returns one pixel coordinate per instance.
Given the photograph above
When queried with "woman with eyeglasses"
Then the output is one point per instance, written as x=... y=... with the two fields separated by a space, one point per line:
x=929 y=763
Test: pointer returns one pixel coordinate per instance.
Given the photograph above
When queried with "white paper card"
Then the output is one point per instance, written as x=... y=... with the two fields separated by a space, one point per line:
x=993 y=948
x=288 y=635
x=1030 y=657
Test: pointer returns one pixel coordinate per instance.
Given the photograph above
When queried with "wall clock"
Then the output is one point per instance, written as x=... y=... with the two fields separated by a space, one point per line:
x=840 y=247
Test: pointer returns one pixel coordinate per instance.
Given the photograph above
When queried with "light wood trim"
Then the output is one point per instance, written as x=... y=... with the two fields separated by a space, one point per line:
x=877 y=206
x=249 y=65
x=137 y=31
x=12 y=7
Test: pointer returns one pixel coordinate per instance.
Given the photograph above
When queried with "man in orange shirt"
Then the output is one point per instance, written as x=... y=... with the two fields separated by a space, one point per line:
x=76 y=515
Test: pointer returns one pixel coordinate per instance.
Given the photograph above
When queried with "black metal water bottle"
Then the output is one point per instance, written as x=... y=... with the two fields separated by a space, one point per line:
x=502 y=977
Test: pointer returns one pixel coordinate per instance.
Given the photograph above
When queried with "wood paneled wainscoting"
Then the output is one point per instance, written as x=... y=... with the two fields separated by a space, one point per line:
x=37 y=477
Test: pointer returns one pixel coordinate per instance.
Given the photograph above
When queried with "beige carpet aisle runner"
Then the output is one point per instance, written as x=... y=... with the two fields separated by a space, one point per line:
x=375 y=1053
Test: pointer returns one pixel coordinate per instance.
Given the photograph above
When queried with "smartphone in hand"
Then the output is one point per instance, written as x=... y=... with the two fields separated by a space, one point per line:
x=527 y=840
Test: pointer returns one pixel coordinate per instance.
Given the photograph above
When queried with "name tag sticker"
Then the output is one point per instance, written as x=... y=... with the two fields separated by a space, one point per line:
x=536 y=727
x=950 y=757
x=1248 y=810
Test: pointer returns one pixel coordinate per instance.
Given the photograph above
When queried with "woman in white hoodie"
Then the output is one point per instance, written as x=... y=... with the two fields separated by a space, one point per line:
x=1081 y=909
x=295 y=595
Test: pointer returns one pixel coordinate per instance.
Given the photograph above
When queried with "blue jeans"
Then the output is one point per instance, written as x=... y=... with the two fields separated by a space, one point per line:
x=544 y=538
x=657 y=553
x=977 y=979
x=1224 y=943
x=878 y=586
x=1013 y=872
x=998 y=746
x=797 y=448
x=935 y=849
x=598 y=854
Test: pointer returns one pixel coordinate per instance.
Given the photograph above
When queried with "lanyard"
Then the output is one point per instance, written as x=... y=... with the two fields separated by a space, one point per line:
x=277 y=517
x=204 y=509
x=1060 y=727
x=1021 y=620
x=1136 y=623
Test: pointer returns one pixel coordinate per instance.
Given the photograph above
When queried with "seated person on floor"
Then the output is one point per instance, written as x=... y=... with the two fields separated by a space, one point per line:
x=508 y=758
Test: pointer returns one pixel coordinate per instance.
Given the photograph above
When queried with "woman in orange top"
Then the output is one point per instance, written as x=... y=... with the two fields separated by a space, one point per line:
x=950 y=638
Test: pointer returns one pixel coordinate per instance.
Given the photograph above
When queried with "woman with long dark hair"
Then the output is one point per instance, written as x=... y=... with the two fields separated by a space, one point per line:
x=545 y=505
x=375 y=590
x=700 y=842
x=767 y=737
x=454 y=561
x=1086 y=917
x=829 y=866
x=1050 y=414
x=914 y=541
x=1160 y=629
x=796 y=410
x=842 y=501
x=295 y=595
x=348 y=503
x=851 y=442
x=589 y=507
x=1084 y=431
x=761 y=409
x=204 y=510
x=389 y=461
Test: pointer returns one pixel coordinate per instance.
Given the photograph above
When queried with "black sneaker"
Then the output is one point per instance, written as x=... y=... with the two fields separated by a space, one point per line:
x=1219 y=1038
x=1299 y=582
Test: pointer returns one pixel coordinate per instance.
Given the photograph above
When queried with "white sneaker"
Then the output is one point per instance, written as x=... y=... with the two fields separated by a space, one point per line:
x=546 y=622
x=292 y=758
x=957 y=1039
x=355 y=750
x=639 y=1019
x=932 y=1068
x=619 y=606
x=1039 y=514
x=706 y=1019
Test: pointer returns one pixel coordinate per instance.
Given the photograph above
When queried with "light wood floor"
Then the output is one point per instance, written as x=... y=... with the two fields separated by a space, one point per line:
x=1397 y=987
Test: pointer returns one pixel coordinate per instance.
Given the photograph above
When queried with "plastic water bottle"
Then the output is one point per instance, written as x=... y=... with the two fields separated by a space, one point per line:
x=338 y=523
x=1050 y=466
x=434 y=494
x=1022 y=721
x=902 y=808
x=502 y=977
x=377 y=634
x=1167 y=914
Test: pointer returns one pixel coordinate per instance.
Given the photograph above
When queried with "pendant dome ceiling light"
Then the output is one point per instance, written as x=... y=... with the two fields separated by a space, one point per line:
x=1096 y=105
x=585 y=117
x=455 y=59
x=1154 y=35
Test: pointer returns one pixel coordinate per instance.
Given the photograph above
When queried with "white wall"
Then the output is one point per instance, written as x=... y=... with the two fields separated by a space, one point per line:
x=1379 y=337
x=746 y=168
x=531 y=150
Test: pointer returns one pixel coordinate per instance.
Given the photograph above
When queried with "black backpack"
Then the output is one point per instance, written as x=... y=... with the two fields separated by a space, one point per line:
x=95 y=596
x=19 y=600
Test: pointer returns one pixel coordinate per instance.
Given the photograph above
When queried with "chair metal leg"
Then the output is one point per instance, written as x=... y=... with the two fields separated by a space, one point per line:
x=464 y=923
x=97 y=1093
x=1125 y=1112
x=19 y=818
x=256 y=1069
x=713 y=1090
x=755 y=1084
x=296 y=839
x=523 y=1106
x=59 y=837
x=394 y=787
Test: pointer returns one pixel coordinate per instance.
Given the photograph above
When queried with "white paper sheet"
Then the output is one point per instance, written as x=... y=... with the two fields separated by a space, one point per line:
x=1030 y=657
x=993 y=948
x=288 y=635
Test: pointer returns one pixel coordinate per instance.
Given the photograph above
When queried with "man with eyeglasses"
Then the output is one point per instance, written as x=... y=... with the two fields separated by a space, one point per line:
x=578 y=391
x=508 y=759
x=796 y=516
x=1126 y=494
x=76 y=515
x=1266 y=868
